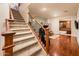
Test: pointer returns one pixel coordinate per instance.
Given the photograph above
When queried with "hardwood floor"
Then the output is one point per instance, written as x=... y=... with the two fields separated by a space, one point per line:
x=64 y=46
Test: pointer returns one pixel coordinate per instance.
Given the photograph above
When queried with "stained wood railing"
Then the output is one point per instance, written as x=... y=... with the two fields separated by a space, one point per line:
x=11 y=14
x=46 y=36
x=37 y=37
x=8 y=38
x=47 y=39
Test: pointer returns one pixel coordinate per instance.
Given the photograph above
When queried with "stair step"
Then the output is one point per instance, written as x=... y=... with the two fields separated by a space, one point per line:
x=17 y=25
x=18 y=33
x=40 y=53
x=24 y=45
x=14 y=29
x=18 y=20
x=22 y=35
x=33 y=51
x=22 y=38
x=30 y=51
x=24 y=30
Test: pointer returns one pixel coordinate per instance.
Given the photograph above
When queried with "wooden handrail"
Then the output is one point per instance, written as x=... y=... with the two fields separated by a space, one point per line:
x=8 y=37
x=39 y=23
x=10 y=12
x=47 y=39
x=36 y=36
x=46 y=35
x=7 y=24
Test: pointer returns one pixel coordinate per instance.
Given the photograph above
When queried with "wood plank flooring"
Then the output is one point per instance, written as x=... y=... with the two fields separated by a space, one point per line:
x=64 y=46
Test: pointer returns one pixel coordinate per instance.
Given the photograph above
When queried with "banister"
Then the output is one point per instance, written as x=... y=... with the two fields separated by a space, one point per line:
x=36 y=36
x=8 y=37
x=46 y=37
x=8 y=43
x=10 y=12
x=7 y=24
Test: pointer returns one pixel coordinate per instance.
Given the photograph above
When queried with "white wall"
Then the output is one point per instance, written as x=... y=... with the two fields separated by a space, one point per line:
x=4 y=13
x=77 y=31
x=54 y=23
x=23 y=9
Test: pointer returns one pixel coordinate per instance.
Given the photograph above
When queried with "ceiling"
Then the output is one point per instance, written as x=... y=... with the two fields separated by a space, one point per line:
x=50 y=10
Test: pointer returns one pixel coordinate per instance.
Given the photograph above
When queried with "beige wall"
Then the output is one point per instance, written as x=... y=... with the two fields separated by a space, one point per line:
x=4 y=13
x=23 y=9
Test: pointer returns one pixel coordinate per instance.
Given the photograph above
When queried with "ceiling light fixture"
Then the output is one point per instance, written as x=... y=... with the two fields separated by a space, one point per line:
x=44 y=9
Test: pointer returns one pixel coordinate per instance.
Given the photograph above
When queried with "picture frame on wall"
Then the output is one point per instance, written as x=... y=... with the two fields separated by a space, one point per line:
x=65 y=26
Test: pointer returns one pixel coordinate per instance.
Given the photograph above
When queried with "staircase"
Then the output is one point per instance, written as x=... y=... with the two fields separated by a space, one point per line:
x=25 y=42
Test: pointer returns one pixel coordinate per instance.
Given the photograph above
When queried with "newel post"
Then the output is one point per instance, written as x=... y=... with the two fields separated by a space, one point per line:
x=47 y=39
x=8 y=43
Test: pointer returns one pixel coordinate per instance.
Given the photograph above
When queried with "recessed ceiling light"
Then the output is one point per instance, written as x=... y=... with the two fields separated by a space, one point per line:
x=44 y=9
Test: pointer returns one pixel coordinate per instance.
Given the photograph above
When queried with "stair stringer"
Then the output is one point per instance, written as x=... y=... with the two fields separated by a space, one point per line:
x=37 y=40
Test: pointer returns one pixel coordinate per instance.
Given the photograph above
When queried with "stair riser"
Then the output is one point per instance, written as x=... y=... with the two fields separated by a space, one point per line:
x=40 y=53
x=18 y=23
x=20 y=30
x=18 y=26
x=22 y=35
x=35 y=53
x=24 y=40
x=26 y=48
x=15 y=22
x=17 y=14
x=18 y=20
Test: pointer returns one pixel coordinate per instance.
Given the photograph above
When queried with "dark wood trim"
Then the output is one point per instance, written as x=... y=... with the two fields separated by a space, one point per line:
x=7 y=47
x=8 y=33
x=47 y=39
x=8 y=43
